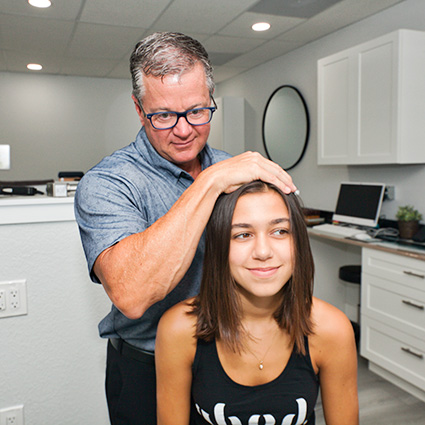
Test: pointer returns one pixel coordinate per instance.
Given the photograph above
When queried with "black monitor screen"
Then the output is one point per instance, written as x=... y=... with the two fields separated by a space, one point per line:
x=359 y=200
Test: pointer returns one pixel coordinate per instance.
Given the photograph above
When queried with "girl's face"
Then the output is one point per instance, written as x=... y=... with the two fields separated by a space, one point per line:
x=261 y=246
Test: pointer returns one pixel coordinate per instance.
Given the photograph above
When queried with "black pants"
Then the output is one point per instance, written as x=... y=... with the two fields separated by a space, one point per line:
x=130 y=390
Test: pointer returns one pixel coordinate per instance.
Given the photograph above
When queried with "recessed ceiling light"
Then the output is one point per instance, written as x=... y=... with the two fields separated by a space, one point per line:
x=40 y=3
x=34 y=67
x=261 y=26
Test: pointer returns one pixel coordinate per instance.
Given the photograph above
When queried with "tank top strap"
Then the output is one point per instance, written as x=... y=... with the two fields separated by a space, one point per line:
x=204 y=349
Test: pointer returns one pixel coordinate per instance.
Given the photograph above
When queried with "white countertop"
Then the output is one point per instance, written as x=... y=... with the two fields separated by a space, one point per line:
x=405 y=250
x=35 y=209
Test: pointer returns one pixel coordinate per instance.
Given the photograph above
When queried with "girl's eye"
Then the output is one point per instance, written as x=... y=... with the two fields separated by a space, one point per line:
x=281 y=232
x=242 y=236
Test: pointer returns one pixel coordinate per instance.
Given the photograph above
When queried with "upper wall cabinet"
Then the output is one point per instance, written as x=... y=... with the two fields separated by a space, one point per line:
x=371 y=102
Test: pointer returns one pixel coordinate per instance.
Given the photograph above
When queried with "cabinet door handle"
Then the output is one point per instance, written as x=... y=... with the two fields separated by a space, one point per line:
x=414 y=274
x=418 y=306
x=409 y=351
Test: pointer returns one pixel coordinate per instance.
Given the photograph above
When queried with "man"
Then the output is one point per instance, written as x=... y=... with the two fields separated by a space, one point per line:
x=142 y=211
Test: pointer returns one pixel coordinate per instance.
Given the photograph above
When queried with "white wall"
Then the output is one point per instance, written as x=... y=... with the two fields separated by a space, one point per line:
x=52 y=360
x=55 y=123
x=319 y=184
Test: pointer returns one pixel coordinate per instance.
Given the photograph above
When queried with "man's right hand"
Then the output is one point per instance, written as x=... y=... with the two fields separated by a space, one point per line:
x=232 y=173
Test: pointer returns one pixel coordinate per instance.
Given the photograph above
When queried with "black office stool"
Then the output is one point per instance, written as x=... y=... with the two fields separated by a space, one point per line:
x=352 y=274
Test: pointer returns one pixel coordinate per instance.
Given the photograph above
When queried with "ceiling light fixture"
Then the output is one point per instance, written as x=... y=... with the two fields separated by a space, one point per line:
x=34 y=67
x=261 y=26
x=40 y=3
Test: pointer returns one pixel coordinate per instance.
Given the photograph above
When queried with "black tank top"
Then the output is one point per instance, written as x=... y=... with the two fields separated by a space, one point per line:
x=218 y=400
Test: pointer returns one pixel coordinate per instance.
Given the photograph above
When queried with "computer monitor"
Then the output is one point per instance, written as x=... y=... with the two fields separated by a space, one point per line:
x=359 y=203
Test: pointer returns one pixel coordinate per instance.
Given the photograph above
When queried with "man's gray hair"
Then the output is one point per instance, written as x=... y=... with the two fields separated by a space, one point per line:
x=167 y=53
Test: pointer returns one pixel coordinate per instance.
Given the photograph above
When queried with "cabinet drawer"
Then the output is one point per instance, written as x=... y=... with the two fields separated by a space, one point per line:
x=397 y=305
x=399 y=353
x=397 y=268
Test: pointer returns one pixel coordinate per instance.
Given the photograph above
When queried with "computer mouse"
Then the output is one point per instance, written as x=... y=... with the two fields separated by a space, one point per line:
x=363 y=237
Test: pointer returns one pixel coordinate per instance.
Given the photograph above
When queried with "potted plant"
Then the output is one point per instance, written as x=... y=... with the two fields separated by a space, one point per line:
x=408 y=221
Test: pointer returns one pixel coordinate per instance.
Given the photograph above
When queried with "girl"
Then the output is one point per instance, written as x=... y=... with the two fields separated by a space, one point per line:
x=254 y=346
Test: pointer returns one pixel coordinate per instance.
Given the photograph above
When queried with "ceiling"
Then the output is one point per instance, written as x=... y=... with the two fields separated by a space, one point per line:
x=95 y=38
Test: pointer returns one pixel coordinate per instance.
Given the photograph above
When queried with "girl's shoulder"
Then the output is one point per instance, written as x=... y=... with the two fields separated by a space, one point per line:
x=328 y=318
x=178 y=320
x=175 y=338
x=331 y=327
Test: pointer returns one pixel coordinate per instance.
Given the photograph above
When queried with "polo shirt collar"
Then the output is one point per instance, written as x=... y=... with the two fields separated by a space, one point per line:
x=149 y=153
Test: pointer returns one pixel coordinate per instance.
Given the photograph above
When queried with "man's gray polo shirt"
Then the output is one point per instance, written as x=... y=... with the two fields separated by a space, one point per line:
x=122 y=195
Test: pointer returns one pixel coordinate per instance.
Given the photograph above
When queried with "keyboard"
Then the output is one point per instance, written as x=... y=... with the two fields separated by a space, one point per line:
x=337 y=231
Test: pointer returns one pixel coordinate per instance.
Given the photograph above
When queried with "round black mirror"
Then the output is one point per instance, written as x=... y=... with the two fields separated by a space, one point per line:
x=286 y=127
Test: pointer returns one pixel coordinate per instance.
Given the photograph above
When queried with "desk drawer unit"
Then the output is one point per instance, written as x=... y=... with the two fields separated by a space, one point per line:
x=397 y=305
x=393 y=315
x=395 y=351
x=397 y=268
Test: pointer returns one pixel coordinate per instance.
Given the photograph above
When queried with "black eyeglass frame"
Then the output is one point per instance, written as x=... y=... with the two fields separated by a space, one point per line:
x=179 y=115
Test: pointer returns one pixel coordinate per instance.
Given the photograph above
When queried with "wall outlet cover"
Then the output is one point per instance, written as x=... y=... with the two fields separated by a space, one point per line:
x=12 y=415
x=13 y=299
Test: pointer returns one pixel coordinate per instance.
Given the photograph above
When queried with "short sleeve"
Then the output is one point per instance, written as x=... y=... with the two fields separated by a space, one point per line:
x=107 y=209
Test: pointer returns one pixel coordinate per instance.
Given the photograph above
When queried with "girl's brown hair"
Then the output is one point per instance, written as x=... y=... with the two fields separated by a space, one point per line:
x=217 y=306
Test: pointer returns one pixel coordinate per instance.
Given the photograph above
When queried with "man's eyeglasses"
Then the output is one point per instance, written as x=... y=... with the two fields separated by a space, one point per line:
x=169 y=119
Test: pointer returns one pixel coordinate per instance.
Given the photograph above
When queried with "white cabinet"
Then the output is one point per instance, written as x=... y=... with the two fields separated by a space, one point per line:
x=228 y=125
x=371 y=102
x=393 y=318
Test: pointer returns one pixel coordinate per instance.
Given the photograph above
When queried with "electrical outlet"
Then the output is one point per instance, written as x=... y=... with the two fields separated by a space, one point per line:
x=12 y=415
x=13 y=299
x=389 y=193
x=2 y=300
